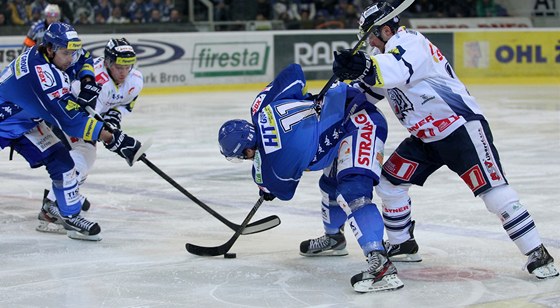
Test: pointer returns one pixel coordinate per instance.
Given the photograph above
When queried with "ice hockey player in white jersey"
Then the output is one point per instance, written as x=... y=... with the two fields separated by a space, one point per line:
x=447 y=127
x=120 y=86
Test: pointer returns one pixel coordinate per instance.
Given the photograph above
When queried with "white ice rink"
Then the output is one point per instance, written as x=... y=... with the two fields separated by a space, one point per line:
x=142 y=261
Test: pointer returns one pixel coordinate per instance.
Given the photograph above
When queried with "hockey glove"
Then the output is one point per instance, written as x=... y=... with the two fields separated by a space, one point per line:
x=89 y=91
x=125 y=146
x=266 y=196
x=113 y=118
x=348 y=66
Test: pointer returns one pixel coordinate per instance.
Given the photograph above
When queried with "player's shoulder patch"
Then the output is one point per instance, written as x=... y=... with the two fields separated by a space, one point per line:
x=21 y=65
x=45 y=76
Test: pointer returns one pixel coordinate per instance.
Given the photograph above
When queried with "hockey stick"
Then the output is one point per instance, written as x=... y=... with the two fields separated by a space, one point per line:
x=255 y=227
x=399 y=9
x=225 y=247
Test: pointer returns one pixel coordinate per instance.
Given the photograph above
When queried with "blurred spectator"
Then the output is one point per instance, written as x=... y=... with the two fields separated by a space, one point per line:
x=3 y=19
x=461 y=8
x=83 y=17
x=346 y=12
x=325 y=8
x=99 y=18
x=19 y=14
x=37 y=8
x=303 y=7
x=122 y=4
x=137 y=11
x=155 y=17
x=117 y=17
x=67 y=14
x=103 y=8
x=175 y=16
x=166 y=9
x=422 y=8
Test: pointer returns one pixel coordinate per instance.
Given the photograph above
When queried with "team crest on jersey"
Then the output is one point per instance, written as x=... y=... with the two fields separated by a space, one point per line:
x=269 y=131
x=400 y=103
x=46 y=76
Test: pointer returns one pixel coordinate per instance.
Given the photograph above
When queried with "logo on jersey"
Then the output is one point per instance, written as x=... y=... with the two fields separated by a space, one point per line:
x=474 y=178
x=399 y=167
x=71 y=105
x=269 y=131
x=400 y=103
x=257 y=167
x=45 y=75
x=102 y=78
x=21 y=66
x=58 y=93
x=257 y=103
x=364 y=142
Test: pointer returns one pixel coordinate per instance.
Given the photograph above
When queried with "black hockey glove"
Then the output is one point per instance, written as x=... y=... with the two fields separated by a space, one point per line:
x=89 y=91
x=348 y=66
x=125 y=146
x=113 y=117
x=266 y=196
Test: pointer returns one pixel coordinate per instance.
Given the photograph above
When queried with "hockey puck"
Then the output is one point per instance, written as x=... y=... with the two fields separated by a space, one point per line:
x=230 y=255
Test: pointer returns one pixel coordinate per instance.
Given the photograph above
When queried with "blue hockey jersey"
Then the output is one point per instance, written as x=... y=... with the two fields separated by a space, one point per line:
x=33 y=88
x=291 y=136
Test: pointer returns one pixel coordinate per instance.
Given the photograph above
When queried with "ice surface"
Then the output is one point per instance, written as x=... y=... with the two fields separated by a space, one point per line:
x=142 y=262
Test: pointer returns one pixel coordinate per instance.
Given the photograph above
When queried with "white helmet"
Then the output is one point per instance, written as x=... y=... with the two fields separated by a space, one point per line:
x=52 y=10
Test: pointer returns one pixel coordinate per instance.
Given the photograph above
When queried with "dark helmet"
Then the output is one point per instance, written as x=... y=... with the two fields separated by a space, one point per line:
x=374 y=13
x=119 y=51
x=61 y=35
x=234 y=137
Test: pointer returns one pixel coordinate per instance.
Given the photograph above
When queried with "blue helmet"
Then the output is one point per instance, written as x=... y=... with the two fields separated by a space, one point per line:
x=62 y=35
x=234 y=137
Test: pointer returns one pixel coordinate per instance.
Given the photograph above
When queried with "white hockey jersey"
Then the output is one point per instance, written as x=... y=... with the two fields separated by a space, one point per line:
x=120 y=97
x=421 y=87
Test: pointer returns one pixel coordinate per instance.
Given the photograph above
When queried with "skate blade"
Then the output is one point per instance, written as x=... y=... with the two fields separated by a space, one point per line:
x=414 y=257
x=47 y=227
x=387 y=283
x=327 y=253
x=546 y=271
x=75 y=235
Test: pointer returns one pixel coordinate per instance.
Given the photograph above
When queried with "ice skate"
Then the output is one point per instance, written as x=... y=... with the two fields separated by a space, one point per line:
x=381 y=275
x=49 y=217
x=541 y=263
x=80 y=228
x=326 y=245
x=406 y=251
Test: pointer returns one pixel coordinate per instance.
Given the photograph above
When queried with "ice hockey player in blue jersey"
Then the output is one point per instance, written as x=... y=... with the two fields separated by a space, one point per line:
x=35 y=90
x=287 y=136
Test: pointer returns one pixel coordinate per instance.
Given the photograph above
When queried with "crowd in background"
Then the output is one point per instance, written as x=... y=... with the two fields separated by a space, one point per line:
x=26 y=12
x=294 y=14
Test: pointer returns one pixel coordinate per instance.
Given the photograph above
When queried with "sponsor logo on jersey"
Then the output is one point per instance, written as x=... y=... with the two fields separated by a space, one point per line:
x=21 y=66
x=399 y=167
x=474 y=178
x=364 y=142
x=88 y=131
x=72 y=105
x=257 y=167
x=102 y=78
x=45 y=75
x=269 y=131
x=489 y=164
x=58 y=93
x=257 y=103
x=400 y=209
x=354 y=227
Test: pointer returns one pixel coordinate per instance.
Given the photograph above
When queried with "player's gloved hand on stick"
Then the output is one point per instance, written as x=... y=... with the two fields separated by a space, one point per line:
x=266 y=196
x=124 y=145
x=113 y=117
x=348 y=66
x=89 y=91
